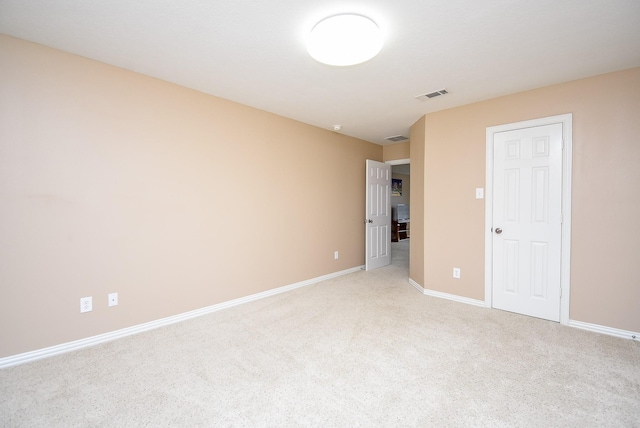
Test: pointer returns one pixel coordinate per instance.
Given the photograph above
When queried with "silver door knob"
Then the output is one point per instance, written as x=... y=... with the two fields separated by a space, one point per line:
x=498 y=230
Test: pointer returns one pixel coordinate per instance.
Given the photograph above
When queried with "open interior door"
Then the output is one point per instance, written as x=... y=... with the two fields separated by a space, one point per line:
x=378 y=215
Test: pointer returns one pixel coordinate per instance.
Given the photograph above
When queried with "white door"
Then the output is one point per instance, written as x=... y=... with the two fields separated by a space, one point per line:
x=378 y=215
x=527 y=221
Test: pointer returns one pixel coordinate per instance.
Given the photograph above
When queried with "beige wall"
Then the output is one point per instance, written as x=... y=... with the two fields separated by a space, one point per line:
x=111 y=181
x=605 y=272
x=417 y=195
x=396 y=151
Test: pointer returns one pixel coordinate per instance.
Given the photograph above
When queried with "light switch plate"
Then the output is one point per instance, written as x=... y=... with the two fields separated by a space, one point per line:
x=479 y=193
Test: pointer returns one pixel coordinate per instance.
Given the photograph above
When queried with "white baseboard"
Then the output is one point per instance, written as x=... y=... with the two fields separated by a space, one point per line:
x=38 y=354
x=416 y=285
x=605 y=330
x=572 y=323
x=447 y=296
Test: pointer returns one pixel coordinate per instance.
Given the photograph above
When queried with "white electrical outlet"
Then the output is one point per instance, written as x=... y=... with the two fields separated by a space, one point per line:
x=335 y=255
x=456 y=273
x=113 y=299
x=86 y=304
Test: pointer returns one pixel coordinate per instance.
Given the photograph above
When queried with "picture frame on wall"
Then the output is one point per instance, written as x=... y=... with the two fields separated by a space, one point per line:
x=396 y=187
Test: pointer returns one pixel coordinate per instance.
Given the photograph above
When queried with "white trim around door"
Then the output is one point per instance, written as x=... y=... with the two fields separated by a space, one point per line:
x=398 y=161
x=567 y=137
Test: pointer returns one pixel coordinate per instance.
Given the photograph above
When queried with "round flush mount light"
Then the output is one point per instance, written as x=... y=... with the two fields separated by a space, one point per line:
x=343 y=40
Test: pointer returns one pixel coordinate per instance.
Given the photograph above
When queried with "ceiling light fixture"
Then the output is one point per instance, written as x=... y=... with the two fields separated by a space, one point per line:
x=343 y=40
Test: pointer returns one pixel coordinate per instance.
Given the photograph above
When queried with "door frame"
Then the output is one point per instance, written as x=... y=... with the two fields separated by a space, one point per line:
x=398 y=161
x=404 y=161
x=565 y=240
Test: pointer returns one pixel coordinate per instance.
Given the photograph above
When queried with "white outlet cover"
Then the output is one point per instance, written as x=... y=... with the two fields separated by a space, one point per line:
x=479 y=193
x=456 y=273
x=113 y=299
x=335 y=255
x=86 y=304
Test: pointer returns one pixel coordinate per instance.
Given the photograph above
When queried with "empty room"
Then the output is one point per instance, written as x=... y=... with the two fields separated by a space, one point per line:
x=296 y=213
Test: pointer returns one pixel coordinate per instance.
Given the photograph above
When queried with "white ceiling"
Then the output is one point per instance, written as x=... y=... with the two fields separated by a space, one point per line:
x=253 y=51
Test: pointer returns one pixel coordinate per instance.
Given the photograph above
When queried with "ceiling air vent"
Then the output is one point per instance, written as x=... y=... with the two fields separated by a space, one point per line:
x=396 y=138
x=424 y=97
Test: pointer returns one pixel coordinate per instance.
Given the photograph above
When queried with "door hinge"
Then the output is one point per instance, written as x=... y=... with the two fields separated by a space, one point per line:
x=561 y=144
x=560 y=292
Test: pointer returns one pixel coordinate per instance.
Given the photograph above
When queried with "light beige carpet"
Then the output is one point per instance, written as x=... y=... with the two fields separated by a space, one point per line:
x=365 y=349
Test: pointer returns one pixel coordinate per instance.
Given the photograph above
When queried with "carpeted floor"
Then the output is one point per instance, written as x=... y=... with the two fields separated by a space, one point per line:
x=365 y=349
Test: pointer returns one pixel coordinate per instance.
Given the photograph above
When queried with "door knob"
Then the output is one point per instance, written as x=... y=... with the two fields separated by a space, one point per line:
x=370 y=221
x=498 y=230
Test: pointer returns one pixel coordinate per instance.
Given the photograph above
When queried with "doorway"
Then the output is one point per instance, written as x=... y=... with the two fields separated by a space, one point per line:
x=528 y=217
x=401 y=213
